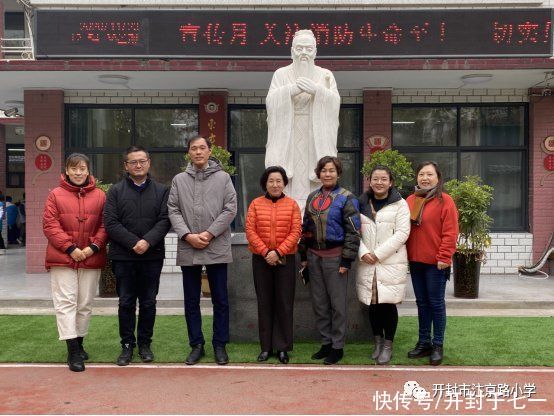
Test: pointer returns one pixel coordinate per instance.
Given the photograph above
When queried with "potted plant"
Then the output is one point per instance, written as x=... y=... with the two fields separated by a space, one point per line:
x=473 y=199
x=400 y=167
x=223 y=156
x=107 y=278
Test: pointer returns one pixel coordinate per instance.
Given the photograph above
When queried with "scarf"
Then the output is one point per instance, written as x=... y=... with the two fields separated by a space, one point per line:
x=422 y=196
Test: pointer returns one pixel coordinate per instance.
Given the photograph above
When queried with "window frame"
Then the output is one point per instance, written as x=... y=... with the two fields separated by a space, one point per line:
x=458 y=149
x=119 y=150
x=236 y=152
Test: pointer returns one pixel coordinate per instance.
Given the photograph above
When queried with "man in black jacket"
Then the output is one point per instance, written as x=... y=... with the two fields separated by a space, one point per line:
x=135 y=217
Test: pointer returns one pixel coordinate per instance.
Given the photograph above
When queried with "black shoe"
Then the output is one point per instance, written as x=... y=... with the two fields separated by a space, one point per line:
x=421 y=350
x=221 y=356
x=283 y=357
x=196 y=353
x=323 y=352
x=126 y=355
x=436 y=355
x=145 y=353
x=74 y=359
x=264 y=355
x=81 y=349
x=334 y=357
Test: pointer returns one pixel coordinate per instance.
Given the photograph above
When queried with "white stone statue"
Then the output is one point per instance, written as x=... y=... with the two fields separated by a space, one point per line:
x=303 y=117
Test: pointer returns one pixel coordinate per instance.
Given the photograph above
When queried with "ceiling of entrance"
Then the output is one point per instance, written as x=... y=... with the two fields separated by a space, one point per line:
x=13 y=83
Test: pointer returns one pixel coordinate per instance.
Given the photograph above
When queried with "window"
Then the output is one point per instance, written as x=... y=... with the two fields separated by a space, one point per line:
x=247 y=140
x=105 y=132
x=15 y=155
x=485 y=140
x=14 y=25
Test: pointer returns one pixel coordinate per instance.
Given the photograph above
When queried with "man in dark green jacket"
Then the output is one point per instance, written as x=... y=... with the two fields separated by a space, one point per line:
x=135 y=217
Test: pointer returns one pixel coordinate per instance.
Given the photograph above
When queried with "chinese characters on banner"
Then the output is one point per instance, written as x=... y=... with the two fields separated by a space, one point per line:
x=255 y=33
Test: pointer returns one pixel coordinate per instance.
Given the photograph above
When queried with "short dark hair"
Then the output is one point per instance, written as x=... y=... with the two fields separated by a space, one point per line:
x=439 y=176
x=196 y=138
x=75 y=158
x=133 y=149
x=269 y=171
x=328 y=159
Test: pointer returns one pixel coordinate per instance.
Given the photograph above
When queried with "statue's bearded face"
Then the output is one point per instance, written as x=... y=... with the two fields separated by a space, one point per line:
x=303 y=50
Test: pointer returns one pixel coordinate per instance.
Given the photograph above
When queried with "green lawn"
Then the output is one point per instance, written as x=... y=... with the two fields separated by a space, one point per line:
x=469 y=341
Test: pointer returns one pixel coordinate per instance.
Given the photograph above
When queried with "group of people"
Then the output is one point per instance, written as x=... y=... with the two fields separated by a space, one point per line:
x=15 y=220
x=379 y=229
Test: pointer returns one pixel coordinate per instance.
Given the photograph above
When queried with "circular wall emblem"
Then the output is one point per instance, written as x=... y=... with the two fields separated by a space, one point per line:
x=43 y=162
x=211 y=107
x=549 y=163
x=43 y=143
x=548 y=144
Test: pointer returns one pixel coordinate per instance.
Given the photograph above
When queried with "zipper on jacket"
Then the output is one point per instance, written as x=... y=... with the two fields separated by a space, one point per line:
x=81 y=219
x=272 y=225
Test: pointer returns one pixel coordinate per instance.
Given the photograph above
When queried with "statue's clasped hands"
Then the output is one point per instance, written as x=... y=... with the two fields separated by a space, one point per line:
x=306 y=85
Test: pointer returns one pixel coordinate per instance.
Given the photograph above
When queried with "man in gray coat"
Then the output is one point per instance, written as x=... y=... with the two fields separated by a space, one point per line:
x=202 y=204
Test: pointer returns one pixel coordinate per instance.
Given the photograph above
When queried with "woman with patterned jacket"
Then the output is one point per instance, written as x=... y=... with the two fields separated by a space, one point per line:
x=273 y=231
x=329 y=244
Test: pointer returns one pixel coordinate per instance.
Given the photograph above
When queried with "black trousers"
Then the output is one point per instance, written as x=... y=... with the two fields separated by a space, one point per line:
x=275 y=286
x=137 y=280
x=384 y=320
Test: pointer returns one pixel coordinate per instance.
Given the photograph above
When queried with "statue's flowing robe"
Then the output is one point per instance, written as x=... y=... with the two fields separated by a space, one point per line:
x=301 y=129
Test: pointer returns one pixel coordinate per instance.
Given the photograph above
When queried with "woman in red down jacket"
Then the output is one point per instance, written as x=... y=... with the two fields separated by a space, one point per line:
x=76 y=252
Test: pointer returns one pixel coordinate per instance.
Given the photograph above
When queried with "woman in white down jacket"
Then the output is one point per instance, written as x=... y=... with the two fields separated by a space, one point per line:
x=381 y=279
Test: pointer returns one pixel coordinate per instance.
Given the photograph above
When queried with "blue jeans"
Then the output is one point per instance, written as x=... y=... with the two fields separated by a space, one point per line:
x=429 y=287
x=137 y=280
x=192 y=281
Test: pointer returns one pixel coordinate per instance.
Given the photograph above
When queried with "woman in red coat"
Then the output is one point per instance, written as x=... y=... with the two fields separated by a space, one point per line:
x=273 y=230
x=76 y=252
x=431 y=244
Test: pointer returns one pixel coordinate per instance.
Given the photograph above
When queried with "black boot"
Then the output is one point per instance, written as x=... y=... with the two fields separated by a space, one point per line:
x=126 y=355
x=334 y=357
x=220 y=354
x=421 y=350
x=436 y=355
x=145 y=353
x=323 y=352
x=74 y=359
x=196 y=353
x=81 y=349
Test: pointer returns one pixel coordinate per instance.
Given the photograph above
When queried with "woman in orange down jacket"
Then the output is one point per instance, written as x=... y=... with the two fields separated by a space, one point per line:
x=273 y=229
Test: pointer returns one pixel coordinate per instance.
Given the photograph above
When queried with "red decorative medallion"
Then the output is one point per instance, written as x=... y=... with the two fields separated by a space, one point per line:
x=43 y=162
x=549 y=163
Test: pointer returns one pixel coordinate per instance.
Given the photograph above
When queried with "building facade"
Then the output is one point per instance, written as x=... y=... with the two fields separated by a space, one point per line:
x=466 y=85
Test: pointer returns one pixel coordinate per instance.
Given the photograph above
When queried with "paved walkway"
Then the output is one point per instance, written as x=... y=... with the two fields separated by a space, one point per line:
x=177 y=389
x=499 y=295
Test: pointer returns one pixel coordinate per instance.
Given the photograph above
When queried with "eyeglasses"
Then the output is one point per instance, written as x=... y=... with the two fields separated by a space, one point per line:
x=136 y=162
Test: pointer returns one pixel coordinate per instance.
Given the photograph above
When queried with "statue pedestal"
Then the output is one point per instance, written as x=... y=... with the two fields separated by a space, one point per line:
x=243 y=306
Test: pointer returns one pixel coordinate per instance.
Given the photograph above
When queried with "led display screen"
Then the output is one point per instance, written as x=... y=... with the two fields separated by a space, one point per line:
x=352 y=34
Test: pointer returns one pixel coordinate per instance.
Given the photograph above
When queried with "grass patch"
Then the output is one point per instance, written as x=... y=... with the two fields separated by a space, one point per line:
x=470 y=341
